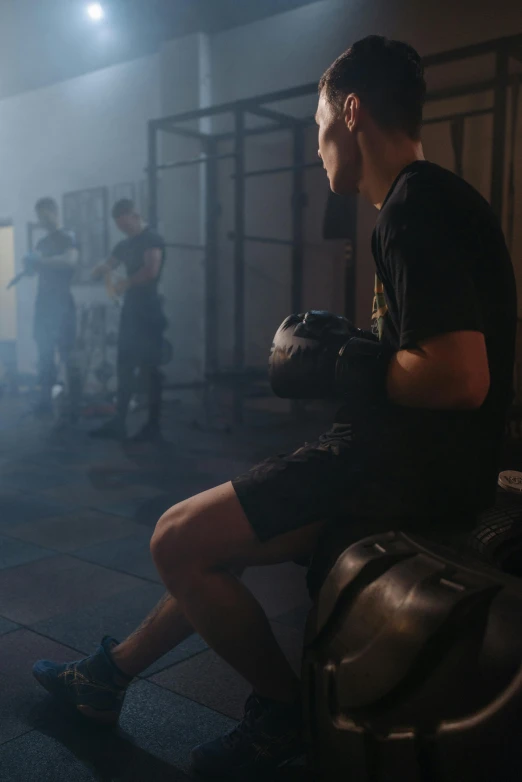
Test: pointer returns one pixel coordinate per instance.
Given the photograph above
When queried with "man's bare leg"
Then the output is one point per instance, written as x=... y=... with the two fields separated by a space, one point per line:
x=163 y=629
x=196 y=545
x=197 y=559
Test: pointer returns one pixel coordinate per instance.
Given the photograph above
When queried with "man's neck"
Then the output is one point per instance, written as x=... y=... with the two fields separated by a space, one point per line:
x=139 y=229
x=384 y=164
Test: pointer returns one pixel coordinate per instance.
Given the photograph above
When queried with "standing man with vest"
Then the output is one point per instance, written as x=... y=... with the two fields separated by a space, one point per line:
x=55 y=262
x=142 y=321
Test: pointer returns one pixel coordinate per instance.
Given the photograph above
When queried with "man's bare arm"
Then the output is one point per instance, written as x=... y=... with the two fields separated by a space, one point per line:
x=105 y=268
x=148 y=272
x=447 y=372
x=68 y=260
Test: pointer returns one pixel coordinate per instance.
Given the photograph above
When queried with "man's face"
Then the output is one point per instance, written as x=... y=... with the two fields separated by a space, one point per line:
x=338 y=149
x=47 y=218
x=128 y=223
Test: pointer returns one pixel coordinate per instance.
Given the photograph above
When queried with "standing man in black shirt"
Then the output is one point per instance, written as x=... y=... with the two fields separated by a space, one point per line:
x=55 y=263
x=423 y=409
x=142 y=321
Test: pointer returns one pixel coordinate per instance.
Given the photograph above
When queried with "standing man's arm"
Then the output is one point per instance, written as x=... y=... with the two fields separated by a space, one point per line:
x=107 y=267
x=64 y=262
x=152 y=261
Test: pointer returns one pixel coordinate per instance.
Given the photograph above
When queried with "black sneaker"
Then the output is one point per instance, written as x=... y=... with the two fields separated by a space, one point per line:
x=112 y=430
x=269 y=735
x=94 y=685
x=147 y=434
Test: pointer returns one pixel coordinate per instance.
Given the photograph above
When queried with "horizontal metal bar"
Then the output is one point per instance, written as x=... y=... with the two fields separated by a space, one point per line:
x=471 y=89
x=186 y=132
x=284 y=120
x=263 y=129
x=459 y=115
x=474 y=50
x=194 y=386
x=185 y=246
x=246 y=104
x=280 y=169
x=193 y=161
x=283 y=242
x=262 y=239
x=250 y=132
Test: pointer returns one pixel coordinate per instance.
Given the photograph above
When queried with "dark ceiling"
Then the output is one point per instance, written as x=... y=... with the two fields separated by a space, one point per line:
x=46 y=41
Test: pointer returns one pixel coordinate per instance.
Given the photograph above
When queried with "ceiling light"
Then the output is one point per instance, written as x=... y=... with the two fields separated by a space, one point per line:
x=95 y=12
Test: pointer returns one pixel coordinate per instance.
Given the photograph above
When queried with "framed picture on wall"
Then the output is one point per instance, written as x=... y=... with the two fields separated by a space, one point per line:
x=85 y=212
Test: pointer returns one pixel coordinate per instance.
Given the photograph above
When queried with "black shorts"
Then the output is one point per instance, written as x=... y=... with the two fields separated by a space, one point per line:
x=140 y=338
x=317 y=482
x=354 y=481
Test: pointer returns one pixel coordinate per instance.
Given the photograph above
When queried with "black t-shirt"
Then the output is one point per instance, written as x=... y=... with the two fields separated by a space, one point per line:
x=444 y=266
x=131 y=252
x=54 y=285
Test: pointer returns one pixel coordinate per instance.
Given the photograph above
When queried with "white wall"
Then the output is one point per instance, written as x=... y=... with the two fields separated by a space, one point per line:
x=81 y=133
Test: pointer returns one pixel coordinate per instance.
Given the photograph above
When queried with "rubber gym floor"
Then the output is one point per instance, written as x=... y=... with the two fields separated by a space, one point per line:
x=76 y=516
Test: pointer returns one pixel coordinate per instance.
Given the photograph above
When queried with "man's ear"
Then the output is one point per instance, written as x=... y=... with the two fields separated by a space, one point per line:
x=351 y=111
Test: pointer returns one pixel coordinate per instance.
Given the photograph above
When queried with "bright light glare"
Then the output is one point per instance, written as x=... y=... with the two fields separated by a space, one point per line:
x=95 y=12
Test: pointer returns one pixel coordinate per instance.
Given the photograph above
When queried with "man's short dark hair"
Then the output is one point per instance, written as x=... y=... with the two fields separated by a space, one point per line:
x=123 y=207
x=388 y=77
x=48 y=204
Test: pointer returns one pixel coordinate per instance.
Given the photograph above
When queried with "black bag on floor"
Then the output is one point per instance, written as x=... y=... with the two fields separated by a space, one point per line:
x=412 y=668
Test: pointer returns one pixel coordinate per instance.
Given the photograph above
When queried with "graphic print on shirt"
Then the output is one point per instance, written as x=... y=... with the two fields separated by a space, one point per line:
x=379 y=309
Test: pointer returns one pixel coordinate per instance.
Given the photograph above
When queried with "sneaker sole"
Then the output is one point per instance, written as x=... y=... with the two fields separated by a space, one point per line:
x=93 y=715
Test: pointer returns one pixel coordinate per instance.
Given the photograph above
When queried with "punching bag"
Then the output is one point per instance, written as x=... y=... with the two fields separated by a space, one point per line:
x=412 y=667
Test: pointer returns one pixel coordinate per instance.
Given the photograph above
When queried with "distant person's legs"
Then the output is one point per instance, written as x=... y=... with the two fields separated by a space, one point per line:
x=153 y=381
x=127 y=363
x=149 y=350
x=70 y=360
x=46 y=346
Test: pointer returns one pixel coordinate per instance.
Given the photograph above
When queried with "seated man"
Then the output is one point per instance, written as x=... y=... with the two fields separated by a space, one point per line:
x=417 y=436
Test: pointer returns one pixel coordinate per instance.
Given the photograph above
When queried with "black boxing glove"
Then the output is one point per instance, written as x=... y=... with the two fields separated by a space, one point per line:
x=361 y=370
x=305 y=351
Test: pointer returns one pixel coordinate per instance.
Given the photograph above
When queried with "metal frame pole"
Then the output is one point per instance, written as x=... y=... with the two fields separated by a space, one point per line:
x=152 y=175
x=499 y=130
x=457 y=129
x=211 y=250
x=298 y=207
x=239 y=257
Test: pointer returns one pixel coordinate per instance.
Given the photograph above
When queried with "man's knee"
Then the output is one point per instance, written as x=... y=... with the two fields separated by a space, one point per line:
x=170 y=546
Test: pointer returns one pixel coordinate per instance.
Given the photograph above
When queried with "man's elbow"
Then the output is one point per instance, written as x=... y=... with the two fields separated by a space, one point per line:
x=471 y=393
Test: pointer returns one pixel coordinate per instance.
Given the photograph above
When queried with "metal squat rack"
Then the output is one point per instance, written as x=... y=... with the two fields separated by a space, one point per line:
x=502 y=51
